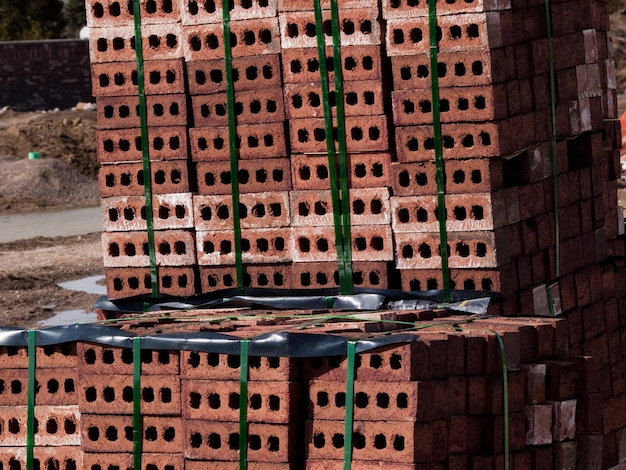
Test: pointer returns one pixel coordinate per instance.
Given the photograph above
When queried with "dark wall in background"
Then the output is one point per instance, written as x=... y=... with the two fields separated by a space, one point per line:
x=43 y=75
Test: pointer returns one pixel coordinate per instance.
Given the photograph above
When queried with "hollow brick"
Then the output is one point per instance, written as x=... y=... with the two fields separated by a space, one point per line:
x=126 y=179
x=256 y=210
x=126 y=213
x=54 y=425
x=266 y=442
x=55 y=386
x=373 y=401
x=211 y=12
x=96 y=358
x=415 y=107
x=362 y=134
x=130 y=282
x=126 y=249
x=120 y=78
x=215 y=278
x=222 y=465
x=463 y=32
x=101 y=433
x=490 y=280
x=271 y=245
x=317 y=244
x=113 y=394
x=406 y=9
x=251 y=107
x=122 y=112
x=329 y=464
x=466 y=250
x=249 y=38
x=215 y=366
x=267 y=402
x=358 y=63
x=469 y=212
x=394 y=441
x=361 y=98
x=249 y=73
x=368 y=206
x=162 y=41
x=300 y=5
x=254 y=176
x=57 y=457
x=149 y=461
x=125 y=145
x=359 y=27
x=252 y=141
x=112 y=44
x=326 y=275
x=466 y=140
x=102 y=13
x=50 y=356
x=371 y=170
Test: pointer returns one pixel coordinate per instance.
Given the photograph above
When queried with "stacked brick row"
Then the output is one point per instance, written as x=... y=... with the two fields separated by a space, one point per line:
x=434 y=403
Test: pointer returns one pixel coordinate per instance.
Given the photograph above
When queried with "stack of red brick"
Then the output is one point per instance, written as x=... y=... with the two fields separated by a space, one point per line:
x=494 y=78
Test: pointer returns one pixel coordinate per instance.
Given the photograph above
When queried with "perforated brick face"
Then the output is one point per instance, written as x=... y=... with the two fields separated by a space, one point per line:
x=211 y=12
x=253 y=141
x=119 y=112
x=154 y=461
x=120 y=78
x=94 y=357
x=250 y=107
x=54 y=425
x=178 y=281
x=126 y=179
x=266 y=276
x=325 y=275
x=125 y=145
x=60 y=457
x=127 y=213
x=495 y=280
x=56 y=386
x=254 y=176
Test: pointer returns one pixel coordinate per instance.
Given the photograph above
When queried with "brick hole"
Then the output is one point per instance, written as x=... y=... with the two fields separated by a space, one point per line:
x=407 y=252
x=108 y=145
x=382 y=399
x=151 y=6
x=480 y=102
x=265 y=36
x=195 y=399
x=321 y=279
x=395 y=361
x=481 y=250
x=108 y=394
x=114 y=9
x=114 y=250
x=477 y=213
x=233 y=361
x=334 y=362
x=373 y=133
x=90 y=356
x=477 y=68
x=233 y=441
x=154 y=41
x=484 y=138
x=468 y=141
x=212 y=41
x=68 y=386
x=404 y=179
x=380 y=441
x=319 y=440
x=322 y=399
x=225 y=247
x=262 y=245
x=358 y=206
x=398 y=443
x=273 y=443
x=319 y=134
x=376 y=206
x=486 y=284
x=292 y=30
x=398 y=36
x=69 y=426
x=322 y=245
x=455 y=32
x=111 y=433
x=279 y=244
x=458 y=177
x=424 y=250
x=182 y=280
x=91 y=394
x=338 y=441
x=171 y=41
x=151 y=434
x=169 y=434
x=253 y=141
x=377 y=243
x=209 y=6
x=472 y=31
x=165 y=248
x=374 y=278
x=356 y=133
x=147 y=394
x=361 y=400
x=444 y=105
x=469 y=284
x=208 y=247
x=52 y=426
x=448 y=141
x=462 y=249
x=93 y=433
x=256 y=401
x=460 y=213
x=254 y=441
x=321 y=171
x=260 y=176
x=214 y=441
x=16 y=387
x=166 y=282
x=196 y=440
x=268 y=140
x=97 y=10
x=305 y=279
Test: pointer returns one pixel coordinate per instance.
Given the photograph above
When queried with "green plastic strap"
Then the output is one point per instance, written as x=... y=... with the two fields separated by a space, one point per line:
x=30 y=417
x=505 y=399
x=555 y=164
x=243 y=404
x=551 y=307
x=342 y=244
x=232 y=144
x=349 y=419
x=145 y=149
x=441 y=200
x=137 y=421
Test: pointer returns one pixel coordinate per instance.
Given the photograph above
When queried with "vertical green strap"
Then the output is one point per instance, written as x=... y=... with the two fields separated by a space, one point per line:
x=30 y=417
x=232 y=143
x=555 y=164
x=441 y=200
x=505 y=399
x=243 y=404
x=137 y=421
x=349 y=420
x=145 y=149
x=345 y=275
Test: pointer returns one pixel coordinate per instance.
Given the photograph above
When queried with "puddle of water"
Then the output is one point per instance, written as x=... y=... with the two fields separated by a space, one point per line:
x=90 y=285
x=69 y=317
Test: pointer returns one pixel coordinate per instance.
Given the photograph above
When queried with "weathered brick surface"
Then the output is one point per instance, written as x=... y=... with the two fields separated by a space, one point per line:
x=325 y=274
x=177 y=281
x=218 y=400
x=55 y=425
x=111 y=44
x=102 y=13
x=253 y=176
x=113 y=394
x=58 y=457
x=249 y=73
x=125 y=249
x=126 y=179
x=301 y=65
x=193 y=13
x=266 y=442
x=119 y=78
x=126 y=213
x=93 y=358
x=117 y=112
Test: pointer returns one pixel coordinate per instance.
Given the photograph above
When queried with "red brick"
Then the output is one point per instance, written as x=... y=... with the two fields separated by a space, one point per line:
x=328 y=464
x=222 y=277
x=361 y=98
x=115 y=78
x=126 y=179
x=363 y=134
x=465 y=434
x=495 y=280
x=100 y=432
x=358 y=63
x=116 y=112
x=251 y=107
x=539 y=418
x=252 y=37
x=266 y=442
x=95 y=358
x=257 y=210
x=125 y=145
x=215 y=400
x=173 y=248
x=113 y=394
x=254 y=176
x=368 y=207
x=325 y=274
x=407 y=9
x=535 y=383
x=300 y=5
x=149 y=461
x=253 y=141
x=56 y=386
x=129 y=282
x=162 y=41
x=126 y=213
x=262 y=245
x=317 y=244
x=58 y=457
x=364 y=171
x=212 y=13
x=359 y=27
x=589 y=414
x=249 y=73
x=589 y=451
x=388 y=441
x=111 y=44
x=55 y=425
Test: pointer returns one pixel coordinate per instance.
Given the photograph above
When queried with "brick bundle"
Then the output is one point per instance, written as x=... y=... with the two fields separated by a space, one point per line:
x=494 y=79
